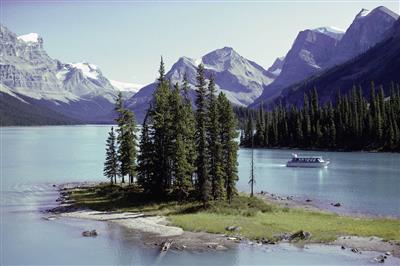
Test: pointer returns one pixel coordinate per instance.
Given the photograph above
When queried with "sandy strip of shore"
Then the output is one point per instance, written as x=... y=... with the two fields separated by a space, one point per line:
x=135 y=221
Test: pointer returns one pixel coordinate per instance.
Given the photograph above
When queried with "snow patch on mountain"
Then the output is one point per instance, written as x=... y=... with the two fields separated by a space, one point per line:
x=126 y=86
x=31 y=37
x=331 y=31
x=88 y=70
x=276 y=67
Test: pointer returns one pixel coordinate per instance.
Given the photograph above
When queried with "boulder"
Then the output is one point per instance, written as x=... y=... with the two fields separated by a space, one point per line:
x=337 y=204
x=232 y=228
x=308 y=200
x=380 y=259
x=300 y=235
x=89 y=233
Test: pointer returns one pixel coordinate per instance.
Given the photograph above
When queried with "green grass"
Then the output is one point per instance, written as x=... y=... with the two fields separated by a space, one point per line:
x=323 y=226
x=256 y=217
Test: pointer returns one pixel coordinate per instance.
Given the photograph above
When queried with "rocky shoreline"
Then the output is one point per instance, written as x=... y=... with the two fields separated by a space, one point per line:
x=156 y=230
x=315 y=205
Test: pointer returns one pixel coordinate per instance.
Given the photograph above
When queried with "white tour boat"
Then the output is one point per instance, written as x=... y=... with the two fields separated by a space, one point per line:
x=310 y=162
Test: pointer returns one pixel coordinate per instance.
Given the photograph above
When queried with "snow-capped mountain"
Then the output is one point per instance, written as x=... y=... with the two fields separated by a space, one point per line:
x=27 y=69
x=126 y=86
x=86 y=81
x=78 y=90
x=322 y=48
x=128 y=89
x=240 y=79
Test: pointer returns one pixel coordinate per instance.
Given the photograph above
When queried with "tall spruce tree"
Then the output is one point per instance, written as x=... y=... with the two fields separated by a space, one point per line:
x=146 y=157
x=203 y=182
x=127 y=140
x=252 y=177
x=214 y=144
x=183 y=145
x=161 y=134
x=128 y=146
x=111 y=163
x=229 y=145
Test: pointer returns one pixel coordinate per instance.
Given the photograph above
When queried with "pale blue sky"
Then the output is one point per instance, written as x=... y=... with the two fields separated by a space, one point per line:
x=126 y=38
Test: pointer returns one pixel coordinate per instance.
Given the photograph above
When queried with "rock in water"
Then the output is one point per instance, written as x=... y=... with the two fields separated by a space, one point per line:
x=355 y=250
x=89 y=233
x=165 y=246
x=380 y=259
x=337 y=204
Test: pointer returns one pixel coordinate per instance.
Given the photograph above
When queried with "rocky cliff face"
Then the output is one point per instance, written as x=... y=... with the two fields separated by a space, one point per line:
x=310 y=53
x=380 y=64
x=27 y=69
x=28 y=73
x=317 y=50
x=367 y=29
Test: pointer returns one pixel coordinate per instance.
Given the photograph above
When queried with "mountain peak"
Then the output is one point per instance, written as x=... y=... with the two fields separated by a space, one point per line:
x=378 y=10
x=364 y=12
x=223 y=52
x=221 y=58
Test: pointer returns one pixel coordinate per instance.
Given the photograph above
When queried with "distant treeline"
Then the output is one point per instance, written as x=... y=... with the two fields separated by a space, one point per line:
x=354 y=122
x=183 y=153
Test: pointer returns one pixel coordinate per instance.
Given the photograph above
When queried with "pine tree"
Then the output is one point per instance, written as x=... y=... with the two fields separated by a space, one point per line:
x=128 y=146
x=111 y=163
x=252 y=180
x=203 y=182
x=214 y=144
x=182 y=145
x=260 y=127
x=355 y=122
x=146 y=157
x=189 y=127
x=248 y=132
x=161 y=118
x=127 y=140
x=229 y=145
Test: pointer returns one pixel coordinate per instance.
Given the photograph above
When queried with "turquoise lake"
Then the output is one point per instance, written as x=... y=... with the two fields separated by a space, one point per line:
x=35 y=158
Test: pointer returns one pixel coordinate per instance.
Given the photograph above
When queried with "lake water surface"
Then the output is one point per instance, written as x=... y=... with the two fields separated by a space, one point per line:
x=35 y=158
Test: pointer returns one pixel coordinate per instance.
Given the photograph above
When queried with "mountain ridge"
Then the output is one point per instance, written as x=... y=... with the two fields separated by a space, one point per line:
x=367 y=29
